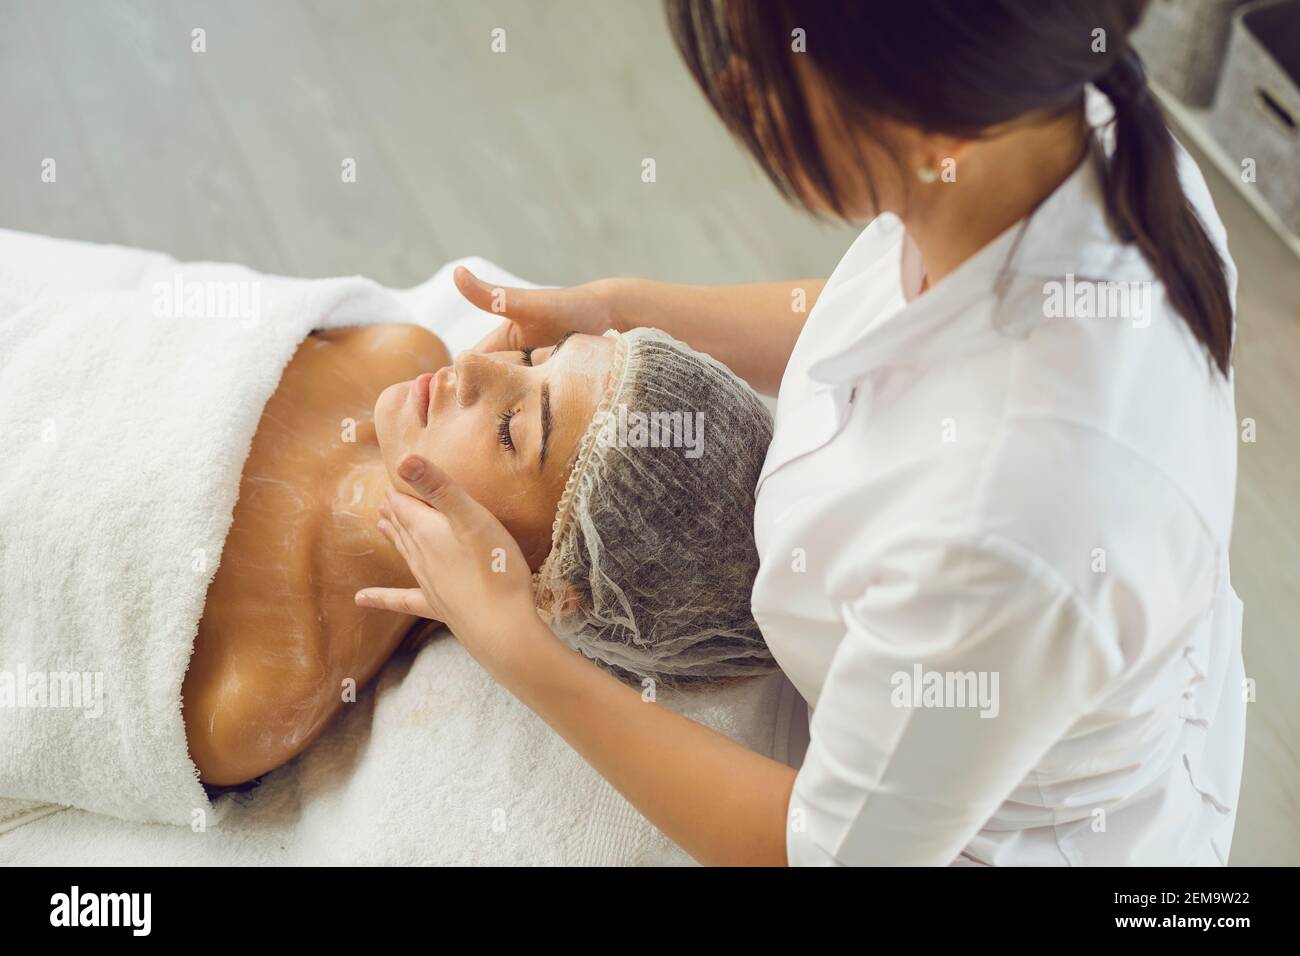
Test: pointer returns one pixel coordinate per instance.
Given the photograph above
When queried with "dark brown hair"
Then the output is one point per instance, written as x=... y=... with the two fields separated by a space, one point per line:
x=957 y=68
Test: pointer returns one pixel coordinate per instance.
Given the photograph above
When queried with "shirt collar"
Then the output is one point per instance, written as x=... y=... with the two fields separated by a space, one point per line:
x=1067 y=235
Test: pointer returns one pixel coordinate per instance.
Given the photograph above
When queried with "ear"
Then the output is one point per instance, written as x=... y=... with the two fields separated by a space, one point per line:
x=564 y=607
x=568 y=605
x=960 y=148
x=931 y=149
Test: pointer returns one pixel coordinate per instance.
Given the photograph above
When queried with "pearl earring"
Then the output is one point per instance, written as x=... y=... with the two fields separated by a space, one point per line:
x=928 y=174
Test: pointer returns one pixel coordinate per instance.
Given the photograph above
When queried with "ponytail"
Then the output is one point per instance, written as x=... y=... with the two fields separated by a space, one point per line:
x=877 y=60
x=1146 y=205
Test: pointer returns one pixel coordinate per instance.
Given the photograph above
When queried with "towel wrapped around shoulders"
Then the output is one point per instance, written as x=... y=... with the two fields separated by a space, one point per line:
x=126 y=415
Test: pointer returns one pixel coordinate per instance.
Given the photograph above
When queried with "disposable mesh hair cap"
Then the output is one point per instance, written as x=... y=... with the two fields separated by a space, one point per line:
x=652 y=555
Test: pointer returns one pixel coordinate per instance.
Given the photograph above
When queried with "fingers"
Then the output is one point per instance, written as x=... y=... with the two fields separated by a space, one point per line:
x=431 y=485
x=396 y=536
x=506 y=337
x=403 y=537
x=478 y=292
x=402 y=600
x=521 y=305
x=534 y=317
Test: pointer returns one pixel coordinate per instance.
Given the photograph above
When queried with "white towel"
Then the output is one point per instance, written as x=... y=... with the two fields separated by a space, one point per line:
x=126 y=423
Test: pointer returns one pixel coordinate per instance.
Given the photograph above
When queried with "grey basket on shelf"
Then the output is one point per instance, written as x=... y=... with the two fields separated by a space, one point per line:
x=1182 y=43
x=1256 y=115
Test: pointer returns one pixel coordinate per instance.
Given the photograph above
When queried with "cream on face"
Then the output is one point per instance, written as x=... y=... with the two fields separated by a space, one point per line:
x=503 y=425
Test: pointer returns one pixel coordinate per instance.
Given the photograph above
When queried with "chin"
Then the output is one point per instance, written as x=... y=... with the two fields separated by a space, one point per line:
x=387 y=411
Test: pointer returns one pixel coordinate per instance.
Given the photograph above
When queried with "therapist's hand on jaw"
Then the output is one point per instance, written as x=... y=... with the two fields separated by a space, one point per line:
x=471 y=573
x=723 y=803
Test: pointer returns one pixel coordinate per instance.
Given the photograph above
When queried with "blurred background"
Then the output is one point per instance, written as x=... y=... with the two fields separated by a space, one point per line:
x=533 y=158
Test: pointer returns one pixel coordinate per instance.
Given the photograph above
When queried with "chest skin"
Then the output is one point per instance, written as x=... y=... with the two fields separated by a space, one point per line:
x=281 y=639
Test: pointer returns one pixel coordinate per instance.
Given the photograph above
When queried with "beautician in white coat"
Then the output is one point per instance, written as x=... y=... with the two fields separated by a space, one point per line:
x=1005 y=448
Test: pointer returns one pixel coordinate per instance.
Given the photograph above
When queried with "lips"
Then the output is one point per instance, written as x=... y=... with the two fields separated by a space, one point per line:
x=420 y=395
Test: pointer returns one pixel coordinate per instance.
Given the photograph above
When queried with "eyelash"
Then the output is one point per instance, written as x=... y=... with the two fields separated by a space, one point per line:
x=503 y=430
x=503 y=420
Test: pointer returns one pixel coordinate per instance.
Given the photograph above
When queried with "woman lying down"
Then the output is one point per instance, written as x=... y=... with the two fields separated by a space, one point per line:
x=623 y=465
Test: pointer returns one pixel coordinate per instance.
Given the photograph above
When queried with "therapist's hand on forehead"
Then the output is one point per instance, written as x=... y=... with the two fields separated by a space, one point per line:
x=536 y=318
x=925 y=557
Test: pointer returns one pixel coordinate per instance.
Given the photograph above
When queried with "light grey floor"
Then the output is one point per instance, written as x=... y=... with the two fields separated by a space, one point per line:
x=532 y=158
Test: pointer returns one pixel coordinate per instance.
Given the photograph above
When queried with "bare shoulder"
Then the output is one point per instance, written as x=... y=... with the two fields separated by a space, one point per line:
x=241 y=722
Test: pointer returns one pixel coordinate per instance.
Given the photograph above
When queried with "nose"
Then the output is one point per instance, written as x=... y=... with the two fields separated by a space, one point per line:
x=479 y=375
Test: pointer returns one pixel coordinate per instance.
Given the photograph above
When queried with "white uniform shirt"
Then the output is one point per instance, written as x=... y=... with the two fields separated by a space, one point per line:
x=966 y=487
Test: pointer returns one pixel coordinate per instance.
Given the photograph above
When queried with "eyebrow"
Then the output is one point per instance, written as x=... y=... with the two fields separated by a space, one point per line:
x=562 y=339
x=547 y=422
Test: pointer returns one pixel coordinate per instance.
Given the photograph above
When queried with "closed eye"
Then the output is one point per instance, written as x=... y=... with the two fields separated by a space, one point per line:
x=503 y=430
x=527 y=351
